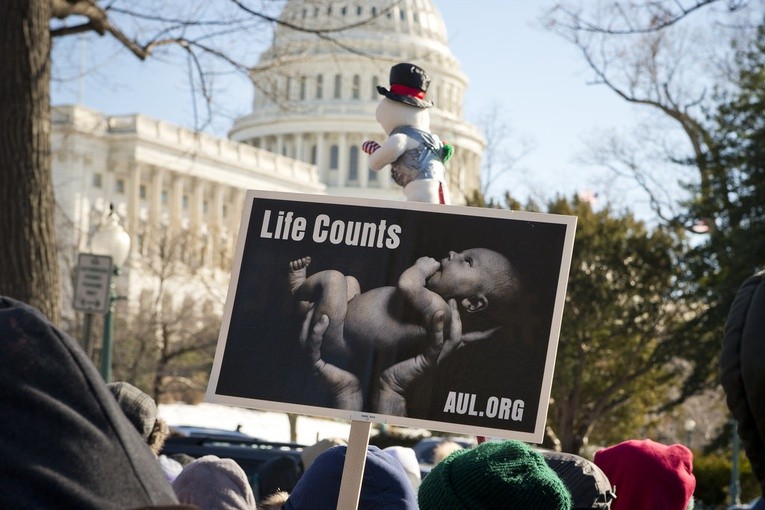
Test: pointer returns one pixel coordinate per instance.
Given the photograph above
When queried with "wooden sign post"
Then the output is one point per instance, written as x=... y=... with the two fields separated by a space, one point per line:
x=353 y=469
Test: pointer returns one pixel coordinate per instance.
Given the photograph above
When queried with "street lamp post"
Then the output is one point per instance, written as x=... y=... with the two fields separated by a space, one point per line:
x=735 y=484
x=112 y=240
x=690 y=426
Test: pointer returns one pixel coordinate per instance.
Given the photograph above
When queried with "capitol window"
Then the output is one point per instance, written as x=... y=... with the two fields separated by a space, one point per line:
x=338 y=86
x=302 y=87
x=353 y=164
x=356 y=89
x=119 y=186
x=319 y=87
x=334 y=156
x=97 y=180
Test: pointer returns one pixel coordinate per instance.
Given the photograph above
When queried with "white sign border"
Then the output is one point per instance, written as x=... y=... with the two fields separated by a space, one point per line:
x=534 y=437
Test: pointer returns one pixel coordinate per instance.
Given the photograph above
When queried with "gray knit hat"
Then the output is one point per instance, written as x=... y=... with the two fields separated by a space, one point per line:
x=212 y=483
x=139 y=407
x=499 y=475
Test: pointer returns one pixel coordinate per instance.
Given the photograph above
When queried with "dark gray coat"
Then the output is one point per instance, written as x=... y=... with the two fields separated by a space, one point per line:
x=742 y=369
x=64 y=441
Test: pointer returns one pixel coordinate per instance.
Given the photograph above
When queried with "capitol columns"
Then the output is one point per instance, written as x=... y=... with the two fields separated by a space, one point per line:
x=155 y=205
x=299 y=147
x=342 y=160
x=176 y=204
x=321 y=156
x=197 y=248
x=216 y=224
x=134 y=198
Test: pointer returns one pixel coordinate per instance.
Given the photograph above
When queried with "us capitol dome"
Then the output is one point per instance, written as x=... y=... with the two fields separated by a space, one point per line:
x=315 y=98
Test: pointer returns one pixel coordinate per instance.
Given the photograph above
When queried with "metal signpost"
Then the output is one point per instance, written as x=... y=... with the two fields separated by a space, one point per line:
x=91 y=289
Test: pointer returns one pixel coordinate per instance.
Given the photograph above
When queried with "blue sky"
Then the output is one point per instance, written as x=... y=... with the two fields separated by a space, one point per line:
x=536 y=79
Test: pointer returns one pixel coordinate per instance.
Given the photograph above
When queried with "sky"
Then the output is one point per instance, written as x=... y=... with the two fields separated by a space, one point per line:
x=536 y=81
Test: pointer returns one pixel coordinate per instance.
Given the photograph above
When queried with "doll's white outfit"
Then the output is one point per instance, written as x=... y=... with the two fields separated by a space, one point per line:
x=420 y=171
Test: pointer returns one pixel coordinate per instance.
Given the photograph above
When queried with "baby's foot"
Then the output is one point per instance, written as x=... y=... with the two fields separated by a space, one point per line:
x=298 y=272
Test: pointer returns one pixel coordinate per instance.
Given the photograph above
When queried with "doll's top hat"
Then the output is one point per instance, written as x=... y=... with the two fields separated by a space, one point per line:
x=408 y=85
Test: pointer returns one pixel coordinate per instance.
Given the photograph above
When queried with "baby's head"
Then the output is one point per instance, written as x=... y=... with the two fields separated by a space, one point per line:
x=480 y=280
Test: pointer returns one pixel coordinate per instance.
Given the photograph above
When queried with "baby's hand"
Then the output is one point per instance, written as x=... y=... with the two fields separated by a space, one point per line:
x=370 y=146
x=428 y=266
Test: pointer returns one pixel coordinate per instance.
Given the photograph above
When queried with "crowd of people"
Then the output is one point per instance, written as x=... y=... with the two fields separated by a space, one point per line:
x=69 y=440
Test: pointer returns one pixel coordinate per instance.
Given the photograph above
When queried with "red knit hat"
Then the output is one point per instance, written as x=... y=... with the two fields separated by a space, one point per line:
x=648 y=475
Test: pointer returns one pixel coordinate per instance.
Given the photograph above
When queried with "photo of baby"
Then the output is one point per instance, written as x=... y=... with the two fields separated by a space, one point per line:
x=401 y=313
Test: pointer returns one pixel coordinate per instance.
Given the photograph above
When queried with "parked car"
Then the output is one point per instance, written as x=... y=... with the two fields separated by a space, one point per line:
x=192 y=431
x=249 y=452
x=425 y=448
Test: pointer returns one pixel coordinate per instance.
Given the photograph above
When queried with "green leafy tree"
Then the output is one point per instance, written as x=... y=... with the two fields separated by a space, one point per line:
x=617 y=359
x=733 y=209
x=664 y=57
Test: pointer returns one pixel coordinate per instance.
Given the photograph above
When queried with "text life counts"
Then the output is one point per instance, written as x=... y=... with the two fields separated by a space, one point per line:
x=289 y=227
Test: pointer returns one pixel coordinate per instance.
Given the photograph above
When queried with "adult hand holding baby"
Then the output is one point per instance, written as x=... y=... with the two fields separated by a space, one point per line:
x=343 y=385
x=390 y=398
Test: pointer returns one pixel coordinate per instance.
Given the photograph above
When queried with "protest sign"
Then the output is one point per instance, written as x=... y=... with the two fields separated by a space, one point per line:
x=334 y=309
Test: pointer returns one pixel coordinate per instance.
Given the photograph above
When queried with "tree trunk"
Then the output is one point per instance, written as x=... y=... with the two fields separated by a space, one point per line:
x=29 y=270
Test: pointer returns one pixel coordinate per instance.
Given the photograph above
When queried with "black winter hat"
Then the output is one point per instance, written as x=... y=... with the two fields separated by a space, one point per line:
x=588 y=484
x=408 y=85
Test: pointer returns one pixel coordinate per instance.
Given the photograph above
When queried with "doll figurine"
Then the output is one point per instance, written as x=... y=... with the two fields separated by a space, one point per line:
x=416 y=155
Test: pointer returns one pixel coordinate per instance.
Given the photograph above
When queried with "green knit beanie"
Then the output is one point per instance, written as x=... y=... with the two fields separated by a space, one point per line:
x=505 y=474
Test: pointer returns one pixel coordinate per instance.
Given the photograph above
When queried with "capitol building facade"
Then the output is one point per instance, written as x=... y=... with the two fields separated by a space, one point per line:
x=314 y=105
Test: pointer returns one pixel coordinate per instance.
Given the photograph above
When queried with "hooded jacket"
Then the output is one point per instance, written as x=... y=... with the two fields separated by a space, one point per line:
x=64 y=441
x=741 y=369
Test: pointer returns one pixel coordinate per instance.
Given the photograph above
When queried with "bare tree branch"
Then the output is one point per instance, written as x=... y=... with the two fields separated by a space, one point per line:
x=630 y=18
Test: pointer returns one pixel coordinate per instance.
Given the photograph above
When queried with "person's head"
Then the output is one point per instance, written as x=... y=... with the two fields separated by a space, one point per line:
x=408 y=460
x=385 y=484
x=649 y=475
x=212 y=483
x=493 y=475
x=479 y=280
x=587 y=483
x=444 y=449
x=141 y=410
x=278 y=474
x=309 y=453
